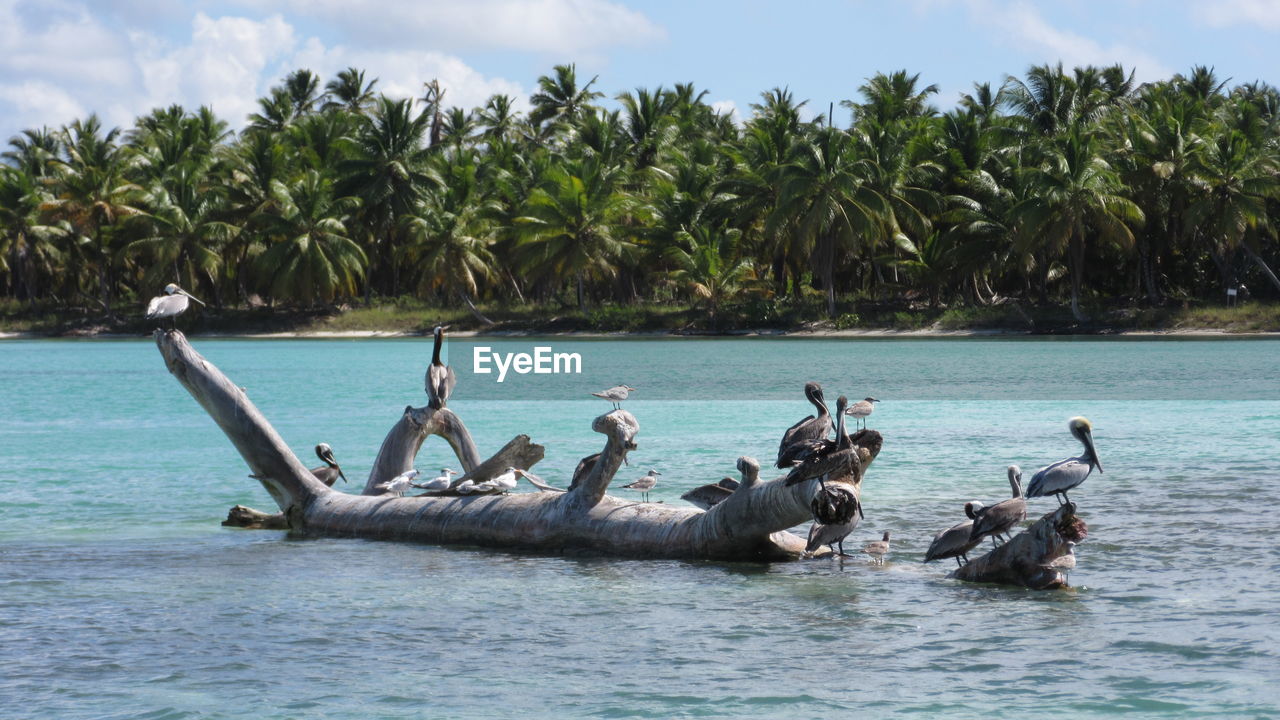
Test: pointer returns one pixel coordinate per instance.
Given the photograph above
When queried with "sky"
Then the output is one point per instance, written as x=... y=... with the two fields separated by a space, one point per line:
x=63 y=59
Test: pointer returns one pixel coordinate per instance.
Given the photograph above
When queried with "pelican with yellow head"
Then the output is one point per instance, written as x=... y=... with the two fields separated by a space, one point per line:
x=1064 y=475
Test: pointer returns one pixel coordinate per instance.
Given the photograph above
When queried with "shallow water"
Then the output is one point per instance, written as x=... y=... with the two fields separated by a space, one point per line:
x=121 y=597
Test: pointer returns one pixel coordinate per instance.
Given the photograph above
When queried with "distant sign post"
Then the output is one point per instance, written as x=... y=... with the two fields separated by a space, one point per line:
x=1231 y=296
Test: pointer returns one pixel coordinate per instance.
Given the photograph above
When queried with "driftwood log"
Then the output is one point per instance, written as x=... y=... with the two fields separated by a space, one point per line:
x=1025 y=560
x=750 y=524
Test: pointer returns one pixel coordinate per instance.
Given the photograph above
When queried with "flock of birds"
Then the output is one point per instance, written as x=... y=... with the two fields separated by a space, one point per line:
x=807 y=450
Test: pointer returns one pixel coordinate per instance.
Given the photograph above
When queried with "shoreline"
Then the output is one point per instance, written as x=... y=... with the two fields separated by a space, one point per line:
x=882 y=333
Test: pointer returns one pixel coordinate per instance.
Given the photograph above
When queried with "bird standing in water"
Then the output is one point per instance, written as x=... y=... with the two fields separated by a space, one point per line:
x=1058 y=478
x=878 y=549
x=836 y=511
x=173 y=303
x=812 y=428
x=330 y=471
x=644 y=484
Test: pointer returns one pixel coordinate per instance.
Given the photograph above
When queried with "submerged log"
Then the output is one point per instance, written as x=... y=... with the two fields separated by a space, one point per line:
x=750 y=523
x=1025 y=560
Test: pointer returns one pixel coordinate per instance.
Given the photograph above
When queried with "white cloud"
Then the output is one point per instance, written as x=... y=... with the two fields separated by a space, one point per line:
x=1031 y=32
x=567 y=28
x=728 y=106
x=1223 y=13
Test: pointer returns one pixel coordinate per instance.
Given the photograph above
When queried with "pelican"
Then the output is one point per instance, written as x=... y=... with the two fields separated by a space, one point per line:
x=836 y=512
x=1058 y=478
x=1000 y=518
x=709 y=495
x=170 y=305
x=820 y=457
x=954 y=542
x=813 y=427
x=440 y=377
x=644 y=484
x=440 y=482
x=861 y=409
x=1066 y=562
x=615 y=395
x=329 y=472
x=402 y=482
x=877 y=550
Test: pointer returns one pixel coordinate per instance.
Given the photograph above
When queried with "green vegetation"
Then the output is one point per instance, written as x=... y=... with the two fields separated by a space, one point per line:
x=1058 y=200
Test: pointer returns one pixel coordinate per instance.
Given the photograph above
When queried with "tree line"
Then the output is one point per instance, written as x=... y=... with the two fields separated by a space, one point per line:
x=1054 y=186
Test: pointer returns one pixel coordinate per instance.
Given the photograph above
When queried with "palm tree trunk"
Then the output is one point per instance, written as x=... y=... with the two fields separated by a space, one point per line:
x=582 y=304
x=1075 y=253
x=1266 y=269
x=474 y=310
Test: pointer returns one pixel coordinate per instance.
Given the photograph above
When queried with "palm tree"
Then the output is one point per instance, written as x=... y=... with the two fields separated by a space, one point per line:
x=572 y=226
x=93 y=194
x=893 y=97
x=1075 y=194
x=25 y=250
x=349 y=91
x=648 y=122
x=388 y=172
x=707 y=264
x=310 y=258
x=497 y=119
x=559 y=101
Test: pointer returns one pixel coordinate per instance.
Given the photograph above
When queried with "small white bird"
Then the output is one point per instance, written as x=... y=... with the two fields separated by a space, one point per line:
x=644 y=484
x=402 y=482
x=466 y=487
x=878 y=549
x=170 y=305
x=440 y=482
x=506 y=481
x=861 y=409
x=615 y=394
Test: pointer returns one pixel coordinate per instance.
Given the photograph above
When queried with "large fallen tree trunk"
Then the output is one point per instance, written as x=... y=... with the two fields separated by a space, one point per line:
x=750 y=524
x=1027 y=559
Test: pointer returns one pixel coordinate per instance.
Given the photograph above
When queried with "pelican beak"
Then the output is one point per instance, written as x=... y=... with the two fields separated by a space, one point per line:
x=193 y=297
x=864 y=517
x=1088 y=442
x=342 y=475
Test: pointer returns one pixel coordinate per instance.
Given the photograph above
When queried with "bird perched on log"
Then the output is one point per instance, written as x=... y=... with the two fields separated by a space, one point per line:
x=1064 y=563
x=812 y=428
x=440 y=482
x=402 y=482
x=440 y=378
x=170 y=305
x=836 y=512
x=644 y=484
x=861 y=409
x=826 y=456
x=878 y=549
x=1058 y=478
x=954 y=542
x=505 y=482
x=1000 y=518
x=615 y=394
x=712 y=494
x=330 y=471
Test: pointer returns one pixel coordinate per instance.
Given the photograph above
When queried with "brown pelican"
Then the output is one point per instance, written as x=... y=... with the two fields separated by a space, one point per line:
x=615 y=394
x=813 y=427
x=1000 y=518
x=402 y=482
x=861 y=409
x=440 y=377
x=836 y=512
x=1058 y=478
x=709 y=495
x=170 y=305
x=440 y=482
x=329 y=472
x=877 y=550
x=824 y=456
x=644 y=484
x=954 y=542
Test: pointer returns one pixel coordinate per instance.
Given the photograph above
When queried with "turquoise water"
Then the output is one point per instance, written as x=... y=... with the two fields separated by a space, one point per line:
x=121 y=597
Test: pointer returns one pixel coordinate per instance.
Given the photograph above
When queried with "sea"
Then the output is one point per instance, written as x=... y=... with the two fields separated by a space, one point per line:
x=121 y=596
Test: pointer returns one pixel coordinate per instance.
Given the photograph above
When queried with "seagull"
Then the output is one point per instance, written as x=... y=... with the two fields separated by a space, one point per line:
x=402 y=482
x=466 y=487
x=813 y=427
x=861 y=409
x=615 y=395
x=1000 y=518
x=1066 y=562
x=329 y=472
x=836 y=512
x=440 y=377
x=644 y=484
x=170 y=305
x=1058 y=478
x=506 y=481
x=878 y=549
x=954 y=542
x=440 y=482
